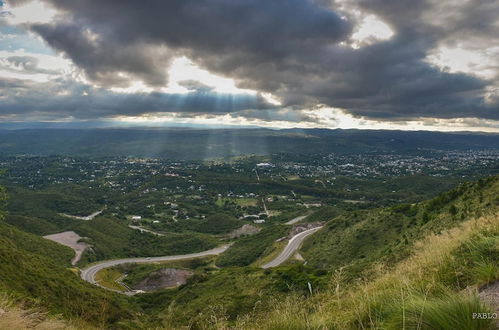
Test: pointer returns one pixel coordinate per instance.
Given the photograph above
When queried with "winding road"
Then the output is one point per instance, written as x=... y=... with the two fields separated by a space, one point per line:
x=88 y=274
x=293 y=245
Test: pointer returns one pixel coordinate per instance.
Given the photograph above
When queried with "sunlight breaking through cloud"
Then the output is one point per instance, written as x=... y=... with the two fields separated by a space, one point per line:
x=371 y=30
x=383 y=63
x=330 y=118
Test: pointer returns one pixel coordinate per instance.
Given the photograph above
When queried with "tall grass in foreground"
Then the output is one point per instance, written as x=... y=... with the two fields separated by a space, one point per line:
x=435 y=288
x=452 y=311
x=12 y=316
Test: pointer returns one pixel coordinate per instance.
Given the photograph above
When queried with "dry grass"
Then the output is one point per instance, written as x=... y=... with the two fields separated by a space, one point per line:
x=390 y=301
x=12 y=316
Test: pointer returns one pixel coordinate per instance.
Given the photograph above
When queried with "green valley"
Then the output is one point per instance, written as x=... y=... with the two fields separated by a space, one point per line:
x=164 y=216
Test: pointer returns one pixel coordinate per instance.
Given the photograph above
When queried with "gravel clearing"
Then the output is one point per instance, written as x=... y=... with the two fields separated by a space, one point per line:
x=70 y=239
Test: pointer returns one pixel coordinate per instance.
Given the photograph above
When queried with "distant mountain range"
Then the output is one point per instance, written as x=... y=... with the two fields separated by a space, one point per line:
x=191 y=143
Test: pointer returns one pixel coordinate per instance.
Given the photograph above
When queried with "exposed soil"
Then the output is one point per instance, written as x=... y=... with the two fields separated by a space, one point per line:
x=84 y=218
x=298 y=228
x=244 y=230
x=70 y=239
x=164 y=278
x=490 y=295
x=299 y=257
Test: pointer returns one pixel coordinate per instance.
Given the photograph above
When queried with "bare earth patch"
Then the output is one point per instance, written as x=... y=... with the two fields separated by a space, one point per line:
x=298 y=228
x=84 y=218
x=244 y=230
x=490 y=295
x=70 y=239
x=164 y=278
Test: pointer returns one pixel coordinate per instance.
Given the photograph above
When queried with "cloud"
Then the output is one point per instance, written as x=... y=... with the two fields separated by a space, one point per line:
x=24 y=99
x=299 y=51
x=112 y=37
x=271 y=115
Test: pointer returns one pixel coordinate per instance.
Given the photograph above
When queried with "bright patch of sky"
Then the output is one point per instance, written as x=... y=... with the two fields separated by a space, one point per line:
x=13 y=38
x=29 y=12
x=465 y=60
x=370 y=30
x=184 y=70
x=331 y=118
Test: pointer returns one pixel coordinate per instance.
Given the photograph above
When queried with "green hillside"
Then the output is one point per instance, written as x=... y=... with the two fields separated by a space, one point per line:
x=218 y=224
x=113 y=239
x=248 y=249
x=38 y=212
x=412 y=265
x=35 y=270
x=47 y=205
x=32 y=225
x=435 y=288
x=360 y=238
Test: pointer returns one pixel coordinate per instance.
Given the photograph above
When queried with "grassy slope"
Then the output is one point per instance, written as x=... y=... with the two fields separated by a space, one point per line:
x=32 y=224
x=209 y=299
x=138 y=272
x=37 y=212
x=113 y=239
x=423 y=286
x=34 y=269
x=64 y=198
x=323 y=214
x=12 y=238
x=218 y=224
x=360 y=238
x=430 y=283
x=24 y=317
x=435 y=288
x=248 y=249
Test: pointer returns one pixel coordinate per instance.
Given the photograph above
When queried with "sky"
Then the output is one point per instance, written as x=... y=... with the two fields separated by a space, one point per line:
x=368 y=64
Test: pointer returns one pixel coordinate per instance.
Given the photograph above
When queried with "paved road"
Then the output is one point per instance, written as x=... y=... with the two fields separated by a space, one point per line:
x=297 y=219
x=293 y=245
x=88 y=274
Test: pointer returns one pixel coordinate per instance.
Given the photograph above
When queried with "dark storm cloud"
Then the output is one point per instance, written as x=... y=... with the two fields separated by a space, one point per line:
x=290 y=48
x=139 y=38
x=106 y=60
x=390 y=79
x=68 y=99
